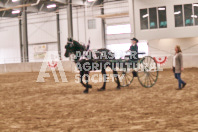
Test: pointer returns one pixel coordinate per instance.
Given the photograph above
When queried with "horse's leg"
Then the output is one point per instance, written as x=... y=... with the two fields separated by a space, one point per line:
x=87 y=81
x=105 y=78
x=81 y=79
x=115 y=73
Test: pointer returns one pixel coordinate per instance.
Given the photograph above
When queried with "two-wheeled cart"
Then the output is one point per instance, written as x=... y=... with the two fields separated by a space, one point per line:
x=145 y=69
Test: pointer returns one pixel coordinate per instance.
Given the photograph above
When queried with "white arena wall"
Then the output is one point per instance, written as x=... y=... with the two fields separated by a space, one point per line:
x=10 y=44
x=190 y=61
x=68 y=66
x=171 y=31
x=42 y=29
x=165 y=47
x=162 y=42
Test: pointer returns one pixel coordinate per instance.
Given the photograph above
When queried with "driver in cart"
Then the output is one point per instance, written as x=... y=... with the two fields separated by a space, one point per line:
x=134 y=49
x=134 y=53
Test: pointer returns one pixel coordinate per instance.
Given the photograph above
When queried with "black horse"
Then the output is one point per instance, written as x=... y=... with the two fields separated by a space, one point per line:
x=86 y=62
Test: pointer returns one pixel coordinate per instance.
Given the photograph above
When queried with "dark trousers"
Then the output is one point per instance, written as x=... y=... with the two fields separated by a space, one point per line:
x=178 y=77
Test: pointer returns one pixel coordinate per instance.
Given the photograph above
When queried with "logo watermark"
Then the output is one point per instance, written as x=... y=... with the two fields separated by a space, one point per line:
x=51 y=57
x=96 y=78
x=106 y=59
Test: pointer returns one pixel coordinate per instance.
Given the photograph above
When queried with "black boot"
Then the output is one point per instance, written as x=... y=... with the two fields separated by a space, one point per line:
x=86 y=91
x=184 y=85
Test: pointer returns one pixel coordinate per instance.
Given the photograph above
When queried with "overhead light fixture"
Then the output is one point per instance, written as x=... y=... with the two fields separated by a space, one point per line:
x=146 y=15
x=16 y=11
x=15 y=0
x=51 y=6
x=195 y=5
x=178 y=12
x=91 y=0
x=195 y=16
x=161 y=8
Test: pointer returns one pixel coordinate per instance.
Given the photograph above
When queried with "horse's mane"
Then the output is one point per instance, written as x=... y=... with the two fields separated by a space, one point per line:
x=79 y=46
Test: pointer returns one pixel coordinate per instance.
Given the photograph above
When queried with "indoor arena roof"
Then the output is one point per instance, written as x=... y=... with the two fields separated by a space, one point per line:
x=13 y=8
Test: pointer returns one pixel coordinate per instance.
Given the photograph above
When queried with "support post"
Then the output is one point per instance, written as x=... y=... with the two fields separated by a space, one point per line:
x=132 y=17
x=85 y=23
x=77 y=23
x=25 y=35
x=70 y=19
x=103 y=29
x=20 y=39
x=58 y=34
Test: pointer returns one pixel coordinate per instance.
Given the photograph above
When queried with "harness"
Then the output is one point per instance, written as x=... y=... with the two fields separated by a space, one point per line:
x=87 y=55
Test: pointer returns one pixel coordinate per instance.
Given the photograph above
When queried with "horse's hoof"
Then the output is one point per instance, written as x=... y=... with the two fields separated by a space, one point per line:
x=101 y=89
x=118 y=87
x=86 y=91
x=89 y=86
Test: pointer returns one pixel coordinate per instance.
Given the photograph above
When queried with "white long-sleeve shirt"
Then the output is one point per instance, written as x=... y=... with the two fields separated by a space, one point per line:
x=174 y=57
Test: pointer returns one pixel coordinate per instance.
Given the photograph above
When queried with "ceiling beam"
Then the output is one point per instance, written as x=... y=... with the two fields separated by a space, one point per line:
x=113 y=15
x=20 y=6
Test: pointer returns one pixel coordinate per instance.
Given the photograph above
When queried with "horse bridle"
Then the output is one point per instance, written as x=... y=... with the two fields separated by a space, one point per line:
x=72 y=43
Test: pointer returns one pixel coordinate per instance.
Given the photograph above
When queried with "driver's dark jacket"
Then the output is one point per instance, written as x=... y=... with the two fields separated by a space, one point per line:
x=134 y=49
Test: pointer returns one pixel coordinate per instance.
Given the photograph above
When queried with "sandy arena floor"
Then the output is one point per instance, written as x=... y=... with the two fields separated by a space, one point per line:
x=26 y=105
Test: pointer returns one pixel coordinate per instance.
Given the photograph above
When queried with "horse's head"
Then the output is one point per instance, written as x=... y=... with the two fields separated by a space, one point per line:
x=70 y=47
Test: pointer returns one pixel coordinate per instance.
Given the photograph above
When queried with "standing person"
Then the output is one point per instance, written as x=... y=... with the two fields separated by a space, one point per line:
x=178 y=67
